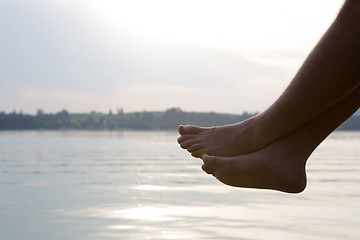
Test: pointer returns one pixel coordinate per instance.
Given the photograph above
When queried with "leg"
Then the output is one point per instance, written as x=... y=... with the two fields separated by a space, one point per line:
x=281 y=165
x=329 y=74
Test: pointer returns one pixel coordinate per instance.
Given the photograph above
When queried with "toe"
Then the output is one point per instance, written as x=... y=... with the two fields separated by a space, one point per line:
x=184 y=138
x=198 y=154
x=208 y=169
x=189 y=129
x=188 y=143
x=195 y=147
x=212 y=160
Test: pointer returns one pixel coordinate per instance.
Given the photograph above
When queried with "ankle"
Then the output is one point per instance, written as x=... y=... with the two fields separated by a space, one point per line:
x=258 y=136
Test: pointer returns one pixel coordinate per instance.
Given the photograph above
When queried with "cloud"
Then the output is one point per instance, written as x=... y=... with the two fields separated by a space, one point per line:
x=81 y=55
x=53 y=44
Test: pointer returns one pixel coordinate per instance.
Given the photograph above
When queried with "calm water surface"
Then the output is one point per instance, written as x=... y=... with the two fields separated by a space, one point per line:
x=141 y=185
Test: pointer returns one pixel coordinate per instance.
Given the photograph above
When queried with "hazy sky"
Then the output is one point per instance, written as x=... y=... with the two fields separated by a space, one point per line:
x=208 y=55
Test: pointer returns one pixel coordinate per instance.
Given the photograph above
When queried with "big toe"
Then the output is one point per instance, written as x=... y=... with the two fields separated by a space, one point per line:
x=212 y=161
x=189 y=129
x=208 y=169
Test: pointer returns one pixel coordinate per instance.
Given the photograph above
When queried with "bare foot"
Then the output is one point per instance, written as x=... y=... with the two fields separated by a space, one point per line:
x=278 y=167
x=281 y=165
x=229 y=140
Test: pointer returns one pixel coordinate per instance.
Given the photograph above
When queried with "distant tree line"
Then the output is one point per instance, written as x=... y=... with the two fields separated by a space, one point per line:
x=167 y=120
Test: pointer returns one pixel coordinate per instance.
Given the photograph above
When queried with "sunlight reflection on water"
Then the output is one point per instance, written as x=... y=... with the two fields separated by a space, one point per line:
x=141 y=185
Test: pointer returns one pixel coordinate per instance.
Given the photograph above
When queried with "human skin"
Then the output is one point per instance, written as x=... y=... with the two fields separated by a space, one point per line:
x=281 y=165
x=329 y=74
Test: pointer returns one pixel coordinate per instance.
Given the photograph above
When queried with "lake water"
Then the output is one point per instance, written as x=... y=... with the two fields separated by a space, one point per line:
x=141 y=185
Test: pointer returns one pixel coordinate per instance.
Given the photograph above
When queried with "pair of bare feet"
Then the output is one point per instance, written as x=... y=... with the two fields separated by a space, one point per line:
x=237 y=157
x=270 y=150
x=229 y=158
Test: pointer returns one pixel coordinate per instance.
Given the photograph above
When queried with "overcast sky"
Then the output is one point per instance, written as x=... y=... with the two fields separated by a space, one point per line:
x=209 y=55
